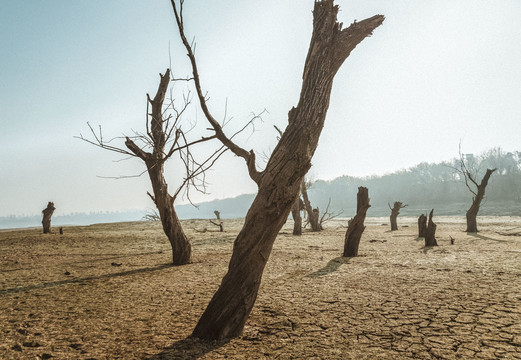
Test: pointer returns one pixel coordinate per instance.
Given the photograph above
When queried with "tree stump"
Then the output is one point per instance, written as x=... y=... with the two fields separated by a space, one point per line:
x=422 y=226
x=356 y=224
x=430 y=239
x=47 y=214
x=395 y=211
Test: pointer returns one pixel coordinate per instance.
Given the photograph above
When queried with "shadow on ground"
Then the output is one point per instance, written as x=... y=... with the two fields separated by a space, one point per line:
x=482 y=237
x=187 y=349
x=330 y=267
x=84 y=279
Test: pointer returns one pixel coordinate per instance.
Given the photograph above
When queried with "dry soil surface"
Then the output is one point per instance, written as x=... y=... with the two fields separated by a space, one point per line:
x=108 y=292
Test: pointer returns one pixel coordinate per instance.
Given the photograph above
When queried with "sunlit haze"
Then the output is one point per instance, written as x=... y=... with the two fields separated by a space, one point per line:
x=435 y=74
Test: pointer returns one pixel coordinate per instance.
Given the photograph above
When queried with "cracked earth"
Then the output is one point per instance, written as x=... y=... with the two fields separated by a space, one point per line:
x=107 y=292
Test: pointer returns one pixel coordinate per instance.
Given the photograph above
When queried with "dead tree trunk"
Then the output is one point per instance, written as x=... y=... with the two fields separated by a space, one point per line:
x=47 y=214
x=181 y=247
x=472 y=213
x=422 y=226
x=395 y=211
x=430 y=233
x=356 y=225
x=297 y=219
x=279 y=183
x=313 y=214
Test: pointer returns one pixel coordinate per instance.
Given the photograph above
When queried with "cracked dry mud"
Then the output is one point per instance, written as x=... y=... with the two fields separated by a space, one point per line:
x=107 y=292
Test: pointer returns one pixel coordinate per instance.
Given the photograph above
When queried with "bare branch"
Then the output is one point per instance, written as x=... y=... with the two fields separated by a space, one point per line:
x=123 y=176
x=98 y=141
x=248 y=156
x=329 y=215
x=131 y=145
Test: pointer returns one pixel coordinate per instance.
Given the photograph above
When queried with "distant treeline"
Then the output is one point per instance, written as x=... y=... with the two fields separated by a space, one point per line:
x=422 y=187
x=426 y=186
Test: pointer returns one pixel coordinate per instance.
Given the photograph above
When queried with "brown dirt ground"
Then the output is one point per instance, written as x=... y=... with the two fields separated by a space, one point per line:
x=61 y=297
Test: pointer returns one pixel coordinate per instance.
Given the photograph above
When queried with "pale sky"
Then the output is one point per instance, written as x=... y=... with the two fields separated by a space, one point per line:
x=436 y=72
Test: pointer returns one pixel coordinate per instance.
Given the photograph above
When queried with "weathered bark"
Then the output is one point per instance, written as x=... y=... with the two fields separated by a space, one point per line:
x=297 y=219
x=181 y=247
x=154 y=161
x=430 y=233
x=472 y=213
x=422 y=226
x=356 y=225
x=395 y=211
x=313 y=214
x=47 y=214
x=279 y=183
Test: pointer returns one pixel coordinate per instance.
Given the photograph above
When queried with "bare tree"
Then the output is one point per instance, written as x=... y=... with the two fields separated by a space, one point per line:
x=47 y=214
x=430 y=232
x=165 y=138
x=219 y=222
x=395 y=211
x=477 y=189
x=280 y=181
x=356 y=225
x=328 y=214
x=152 y=216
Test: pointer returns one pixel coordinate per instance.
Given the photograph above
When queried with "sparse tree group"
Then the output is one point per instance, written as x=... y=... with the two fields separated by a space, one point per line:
x=281 y=186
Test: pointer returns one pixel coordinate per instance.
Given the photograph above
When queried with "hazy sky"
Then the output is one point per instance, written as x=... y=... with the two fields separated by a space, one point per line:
x=436 y=72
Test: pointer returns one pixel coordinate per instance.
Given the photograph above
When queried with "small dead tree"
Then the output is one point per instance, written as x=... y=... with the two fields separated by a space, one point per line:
x=356 y=225
x=152 y=216
x=313 y=214
x=47 y=214
x=430 y=233
x=163 y=139
x=395 y=211
x=477 y=190
x=280 y=181
x=422 y=226
x=219 y=222
x=328 y=215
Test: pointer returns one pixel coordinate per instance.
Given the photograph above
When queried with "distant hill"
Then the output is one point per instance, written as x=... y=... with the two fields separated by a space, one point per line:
x=229 y=208
x=422 y=187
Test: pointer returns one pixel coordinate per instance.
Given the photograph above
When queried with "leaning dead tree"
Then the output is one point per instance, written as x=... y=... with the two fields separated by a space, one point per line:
x=477 y=190
x=356 y=225
x=395 y=211
x=164 y=138
x=430 y=232
x=280 y=181
x=298 y=205
x=47 y=214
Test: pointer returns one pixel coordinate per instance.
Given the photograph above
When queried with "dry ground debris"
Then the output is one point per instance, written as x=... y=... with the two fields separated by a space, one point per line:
x=108 y=292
